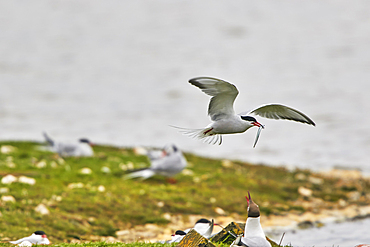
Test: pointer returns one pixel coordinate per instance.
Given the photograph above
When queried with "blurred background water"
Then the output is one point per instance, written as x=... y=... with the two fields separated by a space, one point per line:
x=117 y=71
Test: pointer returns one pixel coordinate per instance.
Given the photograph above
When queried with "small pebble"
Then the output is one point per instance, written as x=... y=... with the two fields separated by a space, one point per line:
x=42 y=209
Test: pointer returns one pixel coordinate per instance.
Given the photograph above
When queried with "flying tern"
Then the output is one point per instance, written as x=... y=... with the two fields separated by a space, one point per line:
x=38 y=237
x=81 y=148
x=224 y=119
x=171 y=162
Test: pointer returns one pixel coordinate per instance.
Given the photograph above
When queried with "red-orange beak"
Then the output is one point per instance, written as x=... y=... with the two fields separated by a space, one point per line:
x=248 y=197
x=44 y=236
x=258 y=124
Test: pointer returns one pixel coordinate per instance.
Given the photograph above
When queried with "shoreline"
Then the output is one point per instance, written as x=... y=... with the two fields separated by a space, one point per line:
x=288 y=199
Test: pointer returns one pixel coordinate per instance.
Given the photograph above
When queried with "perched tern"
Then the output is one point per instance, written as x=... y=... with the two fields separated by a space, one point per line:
x=253 y=232
x=171 y=163
x=224 y=119
x=81 y=148
x=177 y=237
x=38 y=237
x=204 y=227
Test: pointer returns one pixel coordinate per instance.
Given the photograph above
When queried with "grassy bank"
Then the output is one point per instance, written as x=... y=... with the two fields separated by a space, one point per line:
x=100 y=203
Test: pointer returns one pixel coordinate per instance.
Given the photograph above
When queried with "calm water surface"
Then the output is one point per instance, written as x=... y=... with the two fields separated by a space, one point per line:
x=117 y=71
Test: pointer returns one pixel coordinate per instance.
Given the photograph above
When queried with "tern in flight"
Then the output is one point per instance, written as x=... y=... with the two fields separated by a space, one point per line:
x=224 y=119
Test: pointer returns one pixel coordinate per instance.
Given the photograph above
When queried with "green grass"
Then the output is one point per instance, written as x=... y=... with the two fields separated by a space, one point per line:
x=125 y=203
x=104 y=244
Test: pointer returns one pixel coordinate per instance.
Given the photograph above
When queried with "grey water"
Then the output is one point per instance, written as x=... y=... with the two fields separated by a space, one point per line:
x=339 y=234
x=117 y=71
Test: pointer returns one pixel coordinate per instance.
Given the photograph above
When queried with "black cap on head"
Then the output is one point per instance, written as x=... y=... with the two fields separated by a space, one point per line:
x=249 y=118
x=85 y=140
x=39 y=233
x=203 y=221
x=179 y=232
x=253 y=209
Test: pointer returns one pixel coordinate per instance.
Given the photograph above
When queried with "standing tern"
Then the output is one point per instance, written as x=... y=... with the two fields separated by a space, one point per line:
x=171 y=163
x=38 y=237
x=253 y=232
x=224 y=119
x=81 y=148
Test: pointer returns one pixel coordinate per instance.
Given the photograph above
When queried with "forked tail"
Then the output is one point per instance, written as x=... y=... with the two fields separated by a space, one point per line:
x=203 y=134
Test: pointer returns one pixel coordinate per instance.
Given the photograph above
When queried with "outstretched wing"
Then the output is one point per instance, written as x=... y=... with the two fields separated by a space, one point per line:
x=223 y=96
x=276 y=111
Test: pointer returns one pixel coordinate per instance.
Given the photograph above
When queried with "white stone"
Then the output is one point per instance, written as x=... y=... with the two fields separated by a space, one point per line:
x=300 y=176
x=315 y=180
x=42 y=209
x=4 y=190
x=167 y=216
x=123 y=167
x=78 y=185
x=8 y=179
x=227 y=163
x=101 y=188
x=304 y=191
x=5 y=149
x=56 y=198
x=130 y=165
x=187 y=172
x=85 y=171
x=140 y=151
x=7 y=199
x=53 y=164
x=220 y=211
x=105 y=169
x=11 y=164
x=26 y=180
x=41 y=164
x=61 y=161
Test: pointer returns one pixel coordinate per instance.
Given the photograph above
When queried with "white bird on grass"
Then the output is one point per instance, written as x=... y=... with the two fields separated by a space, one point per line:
x=82 y=148
x=169 y=164
x=38 y=237
x=224 y=119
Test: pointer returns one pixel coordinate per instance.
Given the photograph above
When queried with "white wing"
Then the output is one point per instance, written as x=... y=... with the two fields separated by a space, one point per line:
x=276 y=111
x=223 y=95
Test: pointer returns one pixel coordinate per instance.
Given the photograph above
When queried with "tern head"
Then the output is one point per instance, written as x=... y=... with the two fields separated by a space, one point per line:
x=169 y=149
x=203 y=221
x=252 y=121
x=41 y=233
x=85 y=140
x=179 y=232
x=253 y=209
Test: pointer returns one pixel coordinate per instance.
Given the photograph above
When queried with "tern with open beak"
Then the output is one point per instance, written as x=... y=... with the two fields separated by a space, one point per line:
x=224 y=119
x=253 y=232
